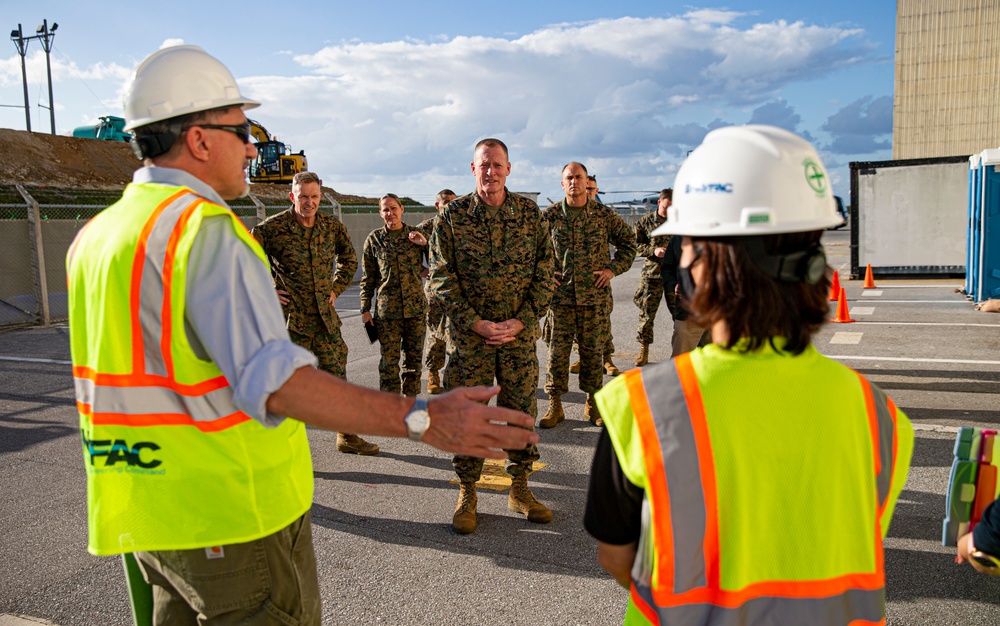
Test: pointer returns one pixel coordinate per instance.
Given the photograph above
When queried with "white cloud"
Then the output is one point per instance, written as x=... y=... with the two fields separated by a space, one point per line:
x=628 y=96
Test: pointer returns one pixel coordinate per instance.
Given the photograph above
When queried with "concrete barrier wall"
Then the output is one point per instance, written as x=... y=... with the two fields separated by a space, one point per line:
x=18 y=304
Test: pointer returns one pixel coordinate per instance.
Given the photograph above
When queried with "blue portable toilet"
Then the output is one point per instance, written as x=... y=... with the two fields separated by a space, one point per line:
x=972 y=239
x=988 y=274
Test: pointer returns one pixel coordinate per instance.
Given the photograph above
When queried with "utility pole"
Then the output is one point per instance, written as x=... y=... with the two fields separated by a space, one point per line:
x=46 y=36
x=21 y=43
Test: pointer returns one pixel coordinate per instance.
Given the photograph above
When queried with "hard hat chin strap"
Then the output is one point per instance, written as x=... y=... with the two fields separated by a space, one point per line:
x=804 y=266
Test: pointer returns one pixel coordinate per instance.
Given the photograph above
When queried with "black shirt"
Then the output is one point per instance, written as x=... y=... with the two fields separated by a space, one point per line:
x=614 y=505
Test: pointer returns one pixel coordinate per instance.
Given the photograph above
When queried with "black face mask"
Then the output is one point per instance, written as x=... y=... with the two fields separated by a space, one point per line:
x=685 y=283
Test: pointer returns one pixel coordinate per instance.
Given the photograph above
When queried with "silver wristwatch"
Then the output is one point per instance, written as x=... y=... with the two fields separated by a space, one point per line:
x=418 y=420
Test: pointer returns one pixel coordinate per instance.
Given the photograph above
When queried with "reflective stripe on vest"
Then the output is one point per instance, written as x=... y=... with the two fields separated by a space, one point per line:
x=682 y=585
x=150 y=395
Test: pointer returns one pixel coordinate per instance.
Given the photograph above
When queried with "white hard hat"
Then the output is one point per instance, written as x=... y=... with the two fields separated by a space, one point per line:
x=750 y=180
x=179 y=80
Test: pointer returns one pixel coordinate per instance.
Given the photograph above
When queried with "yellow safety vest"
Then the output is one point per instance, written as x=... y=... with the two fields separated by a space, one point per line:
x=171 y=462
x=769 y=484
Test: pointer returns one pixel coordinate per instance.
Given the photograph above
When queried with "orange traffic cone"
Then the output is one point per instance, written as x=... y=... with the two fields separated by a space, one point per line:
x=835 y=287
x=843 y=315
x=869 y=280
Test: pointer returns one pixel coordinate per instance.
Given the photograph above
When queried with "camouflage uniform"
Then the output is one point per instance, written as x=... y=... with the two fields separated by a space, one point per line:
x=579 y=308
x=437 y=321
x=309 y=264
x=493 y=269
x=647 y=296
x=392 y=264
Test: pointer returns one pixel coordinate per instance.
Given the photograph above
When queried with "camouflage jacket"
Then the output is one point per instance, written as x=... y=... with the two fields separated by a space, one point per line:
x=427 y=227
x=647 y=243
x=495 y=270
x=581 y=247
x=392 y=265
x=308 y=267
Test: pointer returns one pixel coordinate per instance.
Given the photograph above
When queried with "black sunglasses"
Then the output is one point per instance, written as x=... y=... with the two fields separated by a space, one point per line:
x=242 y=131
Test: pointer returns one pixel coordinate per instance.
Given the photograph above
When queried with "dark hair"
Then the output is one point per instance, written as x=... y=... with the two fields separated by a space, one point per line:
x=667 y=194
x=592 y=177
x=490 y=141
x=754 y=306
x=158 y=138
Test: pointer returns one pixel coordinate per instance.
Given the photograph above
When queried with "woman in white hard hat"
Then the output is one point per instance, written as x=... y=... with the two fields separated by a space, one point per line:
x=750 y=481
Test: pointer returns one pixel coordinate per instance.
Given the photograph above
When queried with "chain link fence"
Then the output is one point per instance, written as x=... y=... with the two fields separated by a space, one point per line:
x=38 y=225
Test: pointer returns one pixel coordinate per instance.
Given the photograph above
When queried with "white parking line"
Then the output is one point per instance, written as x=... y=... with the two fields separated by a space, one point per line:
x=902 y=359
x=871 y=292
x=928 y=323
x=966 y=302
x=862 y=310
x=24 y=359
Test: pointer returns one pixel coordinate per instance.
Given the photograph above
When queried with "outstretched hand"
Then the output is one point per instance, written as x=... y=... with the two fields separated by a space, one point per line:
x=462 y=424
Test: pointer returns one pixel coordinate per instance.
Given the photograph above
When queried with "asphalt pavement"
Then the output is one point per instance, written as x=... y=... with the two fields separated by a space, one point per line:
x=381 y=525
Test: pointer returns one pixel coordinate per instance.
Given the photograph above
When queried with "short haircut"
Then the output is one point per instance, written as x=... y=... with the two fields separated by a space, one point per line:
x=304 y=178
x=574 y=163
x=754 y=306
x=592 y=178
x=444 y=192
x=667 y=194
x=160 y=138
x=492 y=142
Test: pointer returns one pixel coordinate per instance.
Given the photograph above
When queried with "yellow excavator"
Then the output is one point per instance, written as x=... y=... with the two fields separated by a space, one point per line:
x=275 y=162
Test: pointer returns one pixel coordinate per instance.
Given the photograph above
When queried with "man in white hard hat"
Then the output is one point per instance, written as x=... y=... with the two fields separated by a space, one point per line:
x=184 y=372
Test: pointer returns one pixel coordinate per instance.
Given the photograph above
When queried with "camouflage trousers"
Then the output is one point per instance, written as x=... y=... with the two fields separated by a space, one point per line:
x=647 y=298
x=516 y=371
x=329 y=348
x=588 y=325
x=609 y=347
x=437 y=336
x=395 y=336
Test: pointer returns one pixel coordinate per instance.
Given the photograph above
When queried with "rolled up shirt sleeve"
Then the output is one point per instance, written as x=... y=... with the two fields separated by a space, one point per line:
x=234 y=319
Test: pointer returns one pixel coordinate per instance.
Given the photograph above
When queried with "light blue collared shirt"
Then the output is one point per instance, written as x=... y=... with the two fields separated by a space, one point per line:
x=233 y=316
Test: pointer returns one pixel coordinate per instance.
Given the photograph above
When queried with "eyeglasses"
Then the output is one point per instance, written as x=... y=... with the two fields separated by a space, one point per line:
x=242 y=131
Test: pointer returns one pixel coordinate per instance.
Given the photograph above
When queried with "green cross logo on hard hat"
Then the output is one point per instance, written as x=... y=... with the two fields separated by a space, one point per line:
x=815 y=176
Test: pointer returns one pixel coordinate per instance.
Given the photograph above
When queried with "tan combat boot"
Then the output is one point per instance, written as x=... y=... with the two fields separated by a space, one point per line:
x=352 y=444
x=554 y=414
x=522 y=501
x=643 y=357
x=591 y=412
x=464 y=520
x=575 y=367
x=433 y=382
x=609 y=366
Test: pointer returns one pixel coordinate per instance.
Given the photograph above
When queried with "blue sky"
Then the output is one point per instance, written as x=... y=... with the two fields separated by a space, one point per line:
x=391 y=96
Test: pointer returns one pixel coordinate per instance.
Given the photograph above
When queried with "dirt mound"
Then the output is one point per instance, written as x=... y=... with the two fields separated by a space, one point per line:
x=38 y=159
x=53 y=160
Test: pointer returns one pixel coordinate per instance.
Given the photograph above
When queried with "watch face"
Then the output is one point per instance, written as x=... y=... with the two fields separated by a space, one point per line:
x=418 y=420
